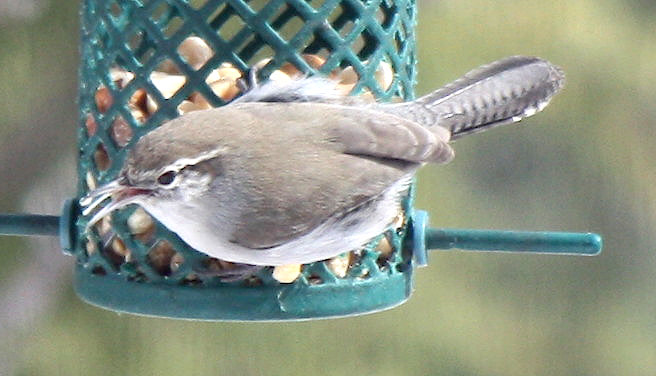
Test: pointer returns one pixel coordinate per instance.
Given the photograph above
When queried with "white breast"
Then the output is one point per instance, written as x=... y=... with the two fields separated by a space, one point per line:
x=339 y=234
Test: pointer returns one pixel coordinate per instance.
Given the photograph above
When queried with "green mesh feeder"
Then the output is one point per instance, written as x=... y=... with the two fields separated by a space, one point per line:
x=130 y=48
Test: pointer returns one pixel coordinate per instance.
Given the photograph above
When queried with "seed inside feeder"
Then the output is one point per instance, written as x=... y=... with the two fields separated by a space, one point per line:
x=103 y=99
x=339 y=265
x=287 y=273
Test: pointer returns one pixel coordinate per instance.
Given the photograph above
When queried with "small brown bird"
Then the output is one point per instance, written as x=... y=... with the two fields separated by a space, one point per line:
x=296 y=173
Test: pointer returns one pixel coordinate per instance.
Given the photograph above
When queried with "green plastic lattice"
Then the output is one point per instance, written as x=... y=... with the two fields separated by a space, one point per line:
x=155 y=273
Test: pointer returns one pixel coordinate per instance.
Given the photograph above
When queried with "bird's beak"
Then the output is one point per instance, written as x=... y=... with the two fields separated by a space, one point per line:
x=122 y=195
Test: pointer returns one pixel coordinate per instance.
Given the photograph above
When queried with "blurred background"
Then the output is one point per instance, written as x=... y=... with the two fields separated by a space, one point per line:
x=586 y=164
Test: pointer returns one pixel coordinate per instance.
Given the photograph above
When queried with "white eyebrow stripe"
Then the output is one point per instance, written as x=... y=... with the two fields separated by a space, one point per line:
x=184 y=162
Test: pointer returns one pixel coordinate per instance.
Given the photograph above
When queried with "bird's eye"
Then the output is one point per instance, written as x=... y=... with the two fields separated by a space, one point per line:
x=166 y=178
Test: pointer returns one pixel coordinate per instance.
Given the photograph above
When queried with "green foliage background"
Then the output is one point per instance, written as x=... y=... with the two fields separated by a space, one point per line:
x=588 y=163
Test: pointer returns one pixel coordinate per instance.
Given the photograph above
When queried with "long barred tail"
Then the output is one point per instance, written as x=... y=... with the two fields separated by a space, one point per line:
x=502 y=92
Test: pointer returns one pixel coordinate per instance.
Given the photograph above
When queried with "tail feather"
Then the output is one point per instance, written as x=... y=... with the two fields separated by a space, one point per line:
x=502 y=92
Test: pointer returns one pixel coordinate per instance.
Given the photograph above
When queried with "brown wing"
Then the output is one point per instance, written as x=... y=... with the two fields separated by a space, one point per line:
x=376 y=134
x=309 y=162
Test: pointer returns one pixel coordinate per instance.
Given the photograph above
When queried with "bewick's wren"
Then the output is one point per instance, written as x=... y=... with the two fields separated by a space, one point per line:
x=296 y=173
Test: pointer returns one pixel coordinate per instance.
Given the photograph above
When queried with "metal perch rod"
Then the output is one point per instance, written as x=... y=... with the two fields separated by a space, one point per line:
x=562 y=243
x=29 y=224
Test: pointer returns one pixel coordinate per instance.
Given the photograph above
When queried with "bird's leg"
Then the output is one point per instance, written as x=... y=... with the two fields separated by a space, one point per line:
x=226 y=271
